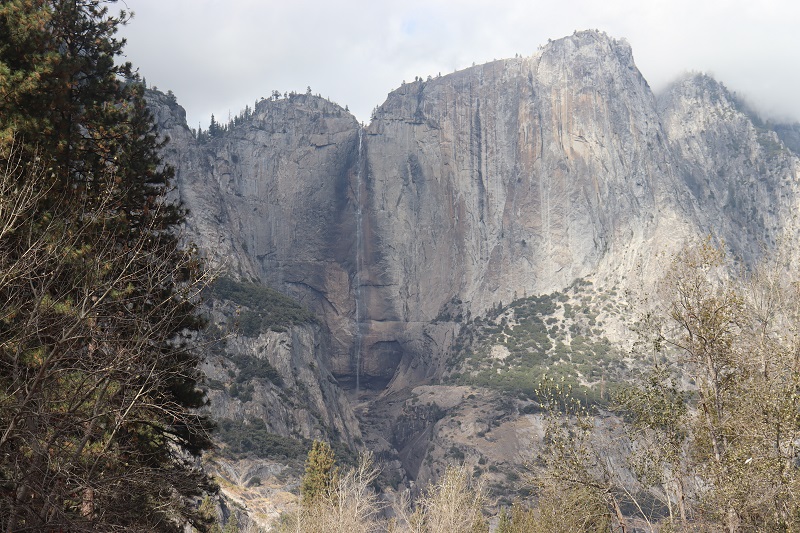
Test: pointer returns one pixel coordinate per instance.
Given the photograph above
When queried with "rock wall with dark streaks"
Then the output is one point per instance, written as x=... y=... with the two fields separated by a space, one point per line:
x=510 y=178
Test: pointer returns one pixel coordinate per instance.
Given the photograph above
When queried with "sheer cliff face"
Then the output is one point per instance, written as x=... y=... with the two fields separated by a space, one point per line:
x=271 y=200
x=514 y=177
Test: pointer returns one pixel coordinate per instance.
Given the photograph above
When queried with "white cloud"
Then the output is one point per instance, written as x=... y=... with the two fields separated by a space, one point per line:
x=219 y=55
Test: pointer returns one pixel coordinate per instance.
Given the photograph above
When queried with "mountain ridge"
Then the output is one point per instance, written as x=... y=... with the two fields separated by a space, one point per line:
x=464 y=193
x=515 y=176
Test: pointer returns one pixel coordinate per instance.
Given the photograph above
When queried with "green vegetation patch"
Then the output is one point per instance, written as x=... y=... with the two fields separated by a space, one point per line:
x=556 y=335
x=255 y=438
x=265 y=308
x=254 y=368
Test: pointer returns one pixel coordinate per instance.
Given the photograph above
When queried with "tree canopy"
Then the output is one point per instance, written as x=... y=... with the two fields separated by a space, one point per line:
x=98 y=382
x=321 y=473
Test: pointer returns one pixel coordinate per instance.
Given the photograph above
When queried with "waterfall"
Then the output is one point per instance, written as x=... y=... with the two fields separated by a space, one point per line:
x=359 y=259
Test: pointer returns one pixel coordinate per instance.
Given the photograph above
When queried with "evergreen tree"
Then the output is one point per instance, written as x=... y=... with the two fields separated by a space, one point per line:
x=321 y=473
x=214 y=129
x=98 y=382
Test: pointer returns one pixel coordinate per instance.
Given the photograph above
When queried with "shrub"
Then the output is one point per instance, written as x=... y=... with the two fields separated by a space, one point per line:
x=266 y=308
x=254 y=437
x=254 y=368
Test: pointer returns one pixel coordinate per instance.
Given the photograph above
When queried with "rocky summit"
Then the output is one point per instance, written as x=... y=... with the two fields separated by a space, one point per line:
x=465 y=192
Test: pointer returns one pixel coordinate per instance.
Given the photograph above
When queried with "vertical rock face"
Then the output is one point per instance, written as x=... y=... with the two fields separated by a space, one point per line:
x=510 y=178
x=271 y=200
x=297 y=397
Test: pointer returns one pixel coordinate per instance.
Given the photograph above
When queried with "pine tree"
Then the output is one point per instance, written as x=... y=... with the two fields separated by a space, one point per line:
x=320 y=475
x=97 y=430
x=213 y=127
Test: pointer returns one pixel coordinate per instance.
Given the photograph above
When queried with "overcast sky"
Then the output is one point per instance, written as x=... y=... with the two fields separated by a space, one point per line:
x=219 y=55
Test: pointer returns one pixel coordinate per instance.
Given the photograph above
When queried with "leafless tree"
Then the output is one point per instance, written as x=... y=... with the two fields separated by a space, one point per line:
x=350 y=506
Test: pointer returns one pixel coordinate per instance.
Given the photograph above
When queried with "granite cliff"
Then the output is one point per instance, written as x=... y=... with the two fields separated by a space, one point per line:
x=466 y=191
x=514 y=177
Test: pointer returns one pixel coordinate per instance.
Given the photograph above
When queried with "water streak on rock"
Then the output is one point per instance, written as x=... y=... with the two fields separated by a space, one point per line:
x=357 y=342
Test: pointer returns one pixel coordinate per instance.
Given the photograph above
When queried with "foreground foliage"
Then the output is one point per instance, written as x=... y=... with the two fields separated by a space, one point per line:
x=332 y=501
x=455 y=503
x=728 y=444
x=346 y=501
x=714 y=435
x=97 y=382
